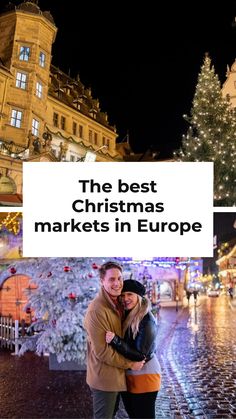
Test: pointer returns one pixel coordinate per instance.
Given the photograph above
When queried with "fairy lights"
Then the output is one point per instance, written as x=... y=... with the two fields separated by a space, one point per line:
x=11 y=222
x=211 y=135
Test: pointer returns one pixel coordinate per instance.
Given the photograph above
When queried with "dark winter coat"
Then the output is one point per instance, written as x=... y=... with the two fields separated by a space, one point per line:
x=148 y=379
x=144 y=344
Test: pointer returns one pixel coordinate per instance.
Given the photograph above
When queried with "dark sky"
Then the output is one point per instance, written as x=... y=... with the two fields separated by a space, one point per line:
x=224 y=226
x=142 y=62
x=225 y=231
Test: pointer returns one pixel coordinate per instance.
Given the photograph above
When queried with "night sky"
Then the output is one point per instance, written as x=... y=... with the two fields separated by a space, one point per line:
x=225 y=231
x=141 y=63
x=225 y=226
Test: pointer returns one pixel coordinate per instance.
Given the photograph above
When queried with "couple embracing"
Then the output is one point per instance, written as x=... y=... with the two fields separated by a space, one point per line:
x=121 y=335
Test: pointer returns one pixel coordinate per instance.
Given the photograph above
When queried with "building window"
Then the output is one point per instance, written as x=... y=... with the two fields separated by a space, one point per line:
x=55 y=119
x=77 y=104
x=74 y=128
x=35 y=127
x=72 y=158
x=24 y=53
x=103 y=141
x=42 y=59
x=95 y=138
x=39 y=90
x=7 y=185
x=81 y=131
x=108 y=143
x=63 y=122
x=21 y=79
x=16 y=118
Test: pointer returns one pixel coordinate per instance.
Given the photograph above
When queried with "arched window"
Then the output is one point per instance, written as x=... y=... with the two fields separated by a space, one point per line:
x=7 y=185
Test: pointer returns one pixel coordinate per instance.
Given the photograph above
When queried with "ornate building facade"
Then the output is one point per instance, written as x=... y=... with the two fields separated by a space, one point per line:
x=229 y=86
x=45 y=115
x=227 y=265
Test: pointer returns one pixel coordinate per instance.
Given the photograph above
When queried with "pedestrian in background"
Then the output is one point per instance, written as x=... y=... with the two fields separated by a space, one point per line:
x=105 y=366
x=231 y=292
x=188 y=295
x=195 y=295
x=139 y=341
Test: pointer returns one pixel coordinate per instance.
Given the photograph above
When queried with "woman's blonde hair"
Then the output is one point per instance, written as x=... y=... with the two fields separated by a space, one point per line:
x=135 y=316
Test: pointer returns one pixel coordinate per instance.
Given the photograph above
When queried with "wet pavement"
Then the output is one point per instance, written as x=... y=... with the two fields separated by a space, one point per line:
x=29 y=390
x=196 y=349
x=198 y=362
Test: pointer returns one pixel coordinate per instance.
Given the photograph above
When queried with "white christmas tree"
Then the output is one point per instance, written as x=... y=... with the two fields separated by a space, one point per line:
x=63 y=291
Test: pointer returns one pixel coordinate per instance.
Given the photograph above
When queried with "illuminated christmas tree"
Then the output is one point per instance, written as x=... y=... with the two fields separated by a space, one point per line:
x=211 y=135
x=63 y=291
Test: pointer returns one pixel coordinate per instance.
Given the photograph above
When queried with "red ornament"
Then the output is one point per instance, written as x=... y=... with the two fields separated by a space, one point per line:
x=28 y=310
x=49 y=274
x=67 y=269
x=72 y=296
x=90 y=275
x=13 y=270
x=94 y=266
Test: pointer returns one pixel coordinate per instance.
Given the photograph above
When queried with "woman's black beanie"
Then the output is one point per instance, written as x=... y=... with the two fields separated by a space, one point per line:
x=131 y=285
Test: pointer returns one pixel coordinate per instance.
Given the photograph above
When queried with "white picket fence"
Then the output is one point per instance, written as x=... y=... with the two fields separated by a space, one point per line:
x=9 y=334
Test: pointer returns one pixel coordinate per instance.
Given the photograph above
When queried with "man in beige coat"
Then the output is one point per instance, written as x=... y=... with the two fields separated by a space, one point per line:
x=106 y=367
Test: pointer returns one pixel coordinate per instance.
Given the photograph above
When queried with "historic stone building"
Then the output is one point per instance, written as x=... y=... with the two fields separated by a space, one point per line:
x=227 y=264
x=229 y=86
x=45 y=115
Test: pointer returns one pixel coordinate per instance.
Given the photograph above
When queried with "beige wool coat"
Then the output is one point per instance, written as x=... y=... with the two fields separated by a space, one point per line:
x=105 y=366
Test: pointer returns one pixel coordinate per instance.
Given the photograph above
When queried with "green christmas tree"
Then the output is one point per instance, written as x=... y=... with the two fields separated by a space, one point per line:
x=211 y=135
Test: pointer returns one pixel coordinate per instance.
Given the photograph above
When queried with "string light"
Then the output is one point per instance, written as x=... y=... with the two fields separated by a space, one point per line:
x=211 y=134
x=11 y=222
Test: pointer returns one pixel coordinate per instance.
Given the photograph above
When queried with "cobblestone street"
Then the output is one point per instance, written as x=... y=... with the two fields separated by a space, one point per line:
x=204 y=367
x=196 y=347
x=198 y=358
x=29 y=390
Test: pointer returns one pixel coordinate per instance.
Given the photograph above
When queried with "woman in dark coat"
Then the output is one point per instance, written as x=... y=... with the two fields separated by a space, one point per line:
x=140 y=331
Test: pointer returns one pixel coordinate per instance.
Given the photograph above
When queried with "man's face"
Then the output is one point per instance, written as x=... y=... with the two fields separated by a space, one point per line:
x=113 y=282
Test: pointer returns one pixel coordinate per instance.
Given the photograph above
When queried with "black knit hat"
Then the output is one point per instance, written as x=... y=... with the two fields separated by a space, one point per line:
x=130 y=285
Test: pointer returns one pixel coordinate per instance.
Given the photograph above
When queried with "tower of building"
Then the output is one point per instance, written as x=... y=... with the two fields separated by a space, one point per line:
x=26 y=39
x=45 y=115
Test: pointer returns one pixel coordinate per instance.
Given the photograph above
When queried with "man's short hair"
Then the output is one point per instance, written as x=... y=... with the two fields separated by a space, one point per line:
x=109 y=265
